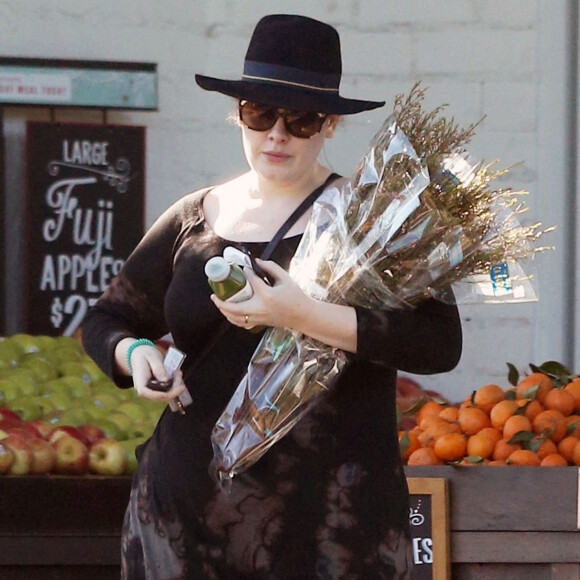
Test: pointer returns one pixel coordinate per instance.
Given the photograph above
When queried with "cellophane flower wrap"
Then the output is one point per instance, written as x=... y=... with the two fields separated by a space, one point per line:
x=416 y=219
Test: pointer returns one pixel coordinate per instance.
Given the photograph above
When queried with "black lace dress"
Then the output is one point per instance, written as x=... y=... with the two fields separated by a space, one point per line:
x=330 y=499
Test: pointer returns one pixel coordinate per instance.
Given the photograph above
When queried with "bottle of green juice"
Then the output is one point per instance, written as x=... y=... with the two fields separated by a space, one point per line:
x=227 y=280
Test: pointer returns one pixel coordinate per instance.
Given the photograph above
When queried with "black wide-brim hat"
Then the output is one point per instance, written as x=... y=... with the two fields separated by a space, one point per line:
x=292 y=62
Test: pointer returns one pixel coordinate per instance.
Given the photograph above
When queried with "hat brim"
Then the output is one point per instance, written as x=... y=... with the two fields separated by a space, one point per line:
x=287 y=97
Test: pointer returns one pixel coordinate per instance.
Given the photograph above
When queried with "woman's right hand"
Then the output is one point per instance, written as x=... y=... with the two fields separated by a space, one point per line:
x=146 y=364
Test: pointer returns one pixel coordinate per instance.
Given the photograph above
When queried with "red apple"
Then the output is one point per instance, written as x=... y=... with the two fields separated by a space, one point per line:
x=43 y=456
x=8 y=423
x=22 y=433
x=6 y=413
x=91 y=433
x=44 y=428
x=6 y=458
x=436 y=396
x=22 y=455
x=407 y=387
x=65 y=431
x=107 y=457
x=72 y=455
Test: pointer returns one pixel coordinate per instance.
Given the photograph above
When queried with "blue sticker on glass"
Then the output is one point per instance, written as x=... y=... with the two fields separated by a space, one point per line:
x=500 y=279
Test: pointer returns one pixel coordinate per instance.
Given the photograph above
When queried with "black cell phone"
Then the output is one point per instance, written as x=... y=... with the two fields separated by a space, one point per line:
x=157 y=385
x=259 y=271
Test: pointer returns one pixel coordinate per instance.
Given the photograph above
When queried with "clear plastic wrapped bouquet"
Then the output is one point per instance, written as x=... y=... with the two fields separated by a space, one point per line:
x=417 y=218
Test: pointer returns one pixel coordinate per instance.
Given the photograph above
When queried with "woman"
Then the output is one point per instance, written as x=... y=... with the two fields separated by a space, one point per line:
x=330 y=499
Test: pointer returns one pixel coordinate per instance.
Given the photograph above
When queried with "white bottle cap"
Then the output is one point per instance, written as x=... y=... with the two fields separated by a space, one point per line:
x=217 y=269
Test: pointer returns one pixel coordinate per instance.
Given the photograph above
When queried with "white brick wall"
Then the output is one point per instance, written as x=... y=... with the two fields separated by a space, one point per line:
x=491 y=57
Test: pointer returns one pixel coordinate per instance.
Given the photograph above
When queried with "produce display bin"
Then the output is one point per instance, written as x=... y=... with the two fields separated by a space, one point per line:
x=505 y=523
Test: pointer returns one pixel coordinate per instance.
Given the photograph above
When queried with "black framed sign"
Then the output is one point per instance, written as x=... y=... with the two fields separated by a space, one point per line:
x=429 y=522
x=84 y=216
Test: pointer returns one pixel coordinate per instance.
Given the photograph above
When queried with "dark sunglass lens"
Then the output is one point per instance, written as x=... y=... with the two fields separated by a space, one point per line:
x=258 y=117
x=304 y=125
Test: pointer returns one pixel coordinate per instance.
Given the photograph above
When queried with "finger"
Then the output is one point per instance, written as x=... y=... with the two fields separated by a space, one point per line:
x=272 y=268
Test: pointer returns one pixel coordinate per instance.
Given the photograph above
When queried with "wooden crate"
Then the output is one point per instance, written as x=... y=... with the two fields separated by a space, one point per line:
x=512 y=523
x=506 y=523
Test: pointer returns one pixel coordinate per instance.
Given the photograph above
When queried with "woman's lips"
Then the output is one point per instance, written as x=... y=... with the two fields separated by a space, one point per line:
x=276 y=156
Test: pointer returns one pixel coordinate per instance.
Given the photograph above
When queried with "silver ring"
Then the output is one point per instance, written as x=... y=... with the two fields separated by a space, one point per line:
x=246 y=319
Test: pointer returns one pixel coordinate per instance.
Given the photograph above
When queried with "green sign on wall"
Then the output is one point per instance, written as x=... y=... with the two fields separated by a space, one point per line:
x=76 y=83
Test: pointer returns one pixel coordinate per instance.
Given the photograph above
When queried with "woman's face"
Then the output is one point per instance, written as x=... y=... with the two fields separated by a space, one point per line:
x=277 y=156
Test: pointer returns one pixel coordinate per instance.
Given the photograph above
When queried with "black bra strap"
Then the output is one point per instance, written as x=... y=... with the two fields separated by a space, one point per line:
x=269 y=250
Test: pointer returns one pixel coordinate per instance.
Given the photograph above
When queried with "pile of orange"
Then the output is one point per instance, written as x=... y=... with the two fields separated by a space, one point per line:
x=534 y=423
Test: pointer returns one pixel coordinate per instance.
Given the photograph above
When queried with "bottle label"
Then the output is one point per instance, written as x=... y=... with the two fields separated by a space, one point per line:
x=244 y=294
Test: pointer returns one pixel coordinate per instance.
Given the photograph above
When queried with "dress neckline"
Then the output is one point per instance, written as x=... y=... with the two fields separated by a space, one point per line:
x=239 y=242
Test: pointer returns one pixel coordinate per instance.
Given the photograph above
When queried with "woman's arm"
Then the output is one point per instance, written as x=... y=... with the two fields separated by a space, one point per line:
x=426 y=339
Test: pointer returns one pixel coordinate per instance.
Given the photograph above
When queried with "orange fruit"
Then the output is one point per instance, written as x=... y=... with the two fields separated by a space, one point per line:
x=429 y=408
x=573 y=425
x=554 y=460
x=566 y=447
x=428 y=421
x=523 y=457
x=540 y=380
x=480 y=445
x=501 y=412
x=576 y=454
x=547 y=447
x=424 y=456
x=497 y=462
x=428 y=437
x=574 y=389
x=550 y=423
x=472 y=420
x=472 y=462
x=531 y=407
x=561 y=400
x=487 y=396
x=408 y=442
x=449 y=414
x=491 y=432
x=450 y=447
x=503 y=449
x=515 y=424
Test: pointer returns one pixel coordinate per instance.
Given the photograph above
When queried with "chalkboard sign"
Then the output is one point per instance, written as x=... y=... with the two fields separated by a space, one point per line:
x=84 y=216
x=429 y=522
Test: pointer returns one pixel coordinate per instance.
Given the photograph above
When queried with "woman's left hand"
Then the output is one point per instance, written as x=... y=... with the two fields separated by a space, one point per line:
x=283 y=304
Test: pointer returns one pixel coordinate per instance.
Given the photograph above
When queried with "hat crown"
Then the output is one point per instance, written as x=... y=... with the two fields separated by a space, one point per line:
x=292 y=62
x=297 y=42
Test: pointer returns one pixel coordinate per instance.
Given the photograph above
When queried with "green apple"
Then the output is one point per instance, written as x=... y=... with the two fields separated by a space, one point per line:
x=42 y=368
x=94 y=372
x=134 y=410
x=141 y=430
x=10 y=354
x=27 y=408
x=111 y=429
x=75 y=416
x=130 y=445
x=106 y=400
x=77 y=387
x=74 y=369
x=30 y=343
x=45 y=404
x=64 y=354
x=123 y=421
x=9 y=390
x=69 y=342
x=59 y=401
x=94 y=411
x=24 y=378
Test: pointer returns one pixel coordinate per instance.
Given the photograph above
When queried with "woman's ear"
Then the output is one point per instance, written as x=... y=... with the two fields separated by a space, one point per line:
x=331 y=127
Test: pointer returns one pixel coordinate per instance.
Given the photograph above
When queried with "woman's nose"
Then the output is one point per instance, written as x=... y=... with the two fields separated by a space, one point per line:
x=279 y=130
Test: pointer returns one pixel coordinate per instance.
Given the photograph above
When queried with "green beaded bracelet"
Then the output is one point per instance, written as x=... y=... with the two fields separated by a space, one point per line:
x=133 y=346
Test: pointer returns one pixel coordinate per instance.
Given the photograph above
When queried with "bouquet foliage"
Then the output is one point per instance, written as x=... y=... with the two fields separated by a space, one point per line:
x=416 y=218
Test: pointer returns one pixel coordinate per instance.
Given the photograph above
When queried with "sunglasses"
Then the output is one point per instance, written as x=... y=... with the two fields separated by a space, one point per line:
x=301 y=124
